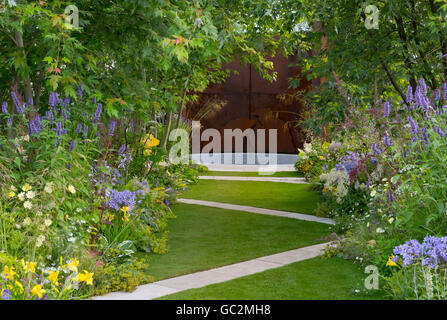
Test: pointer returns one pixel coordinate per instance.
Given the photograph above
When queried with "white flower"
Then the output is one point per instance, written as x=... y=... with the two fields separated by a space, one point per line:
x=367 y=225
x=40 y=240
x=78 y=210
x=21 y=196
x=71 y=189
x=391 y=220
x=373 y=193
x=27 y=221
x=48 y=187
x=30 y=194
x=13 y=188
x=47 y=222
x=380 y=230
x=27 y=205
x=307 y=147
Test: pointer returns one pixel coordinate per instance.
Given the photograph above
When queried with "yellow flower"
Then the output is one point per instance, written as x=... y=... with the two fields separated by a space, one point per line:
x=73 y=265
x=26 y=187
x=149 y=141
x=12 y=194
x=126 y=217
x=86 y=277
x=321 y=158
x=125 y=209
x=111 y=217
x=71 y=189
x=390 y=262
x=8 y=273
x=18 y=284
x=53 y=276
x=29 y=266
x=38 y=291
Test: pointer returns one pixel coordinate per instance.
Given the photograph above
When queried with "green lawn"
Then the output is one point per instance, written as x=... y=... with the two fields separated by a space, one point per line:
x=270 y=195
x=202 y=238
x=314 y=279
x=292 y=174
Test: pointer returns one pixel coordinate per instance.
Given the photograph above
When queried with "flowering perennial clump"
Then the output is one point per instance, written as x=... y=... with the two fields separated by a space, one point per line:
x=431 y=252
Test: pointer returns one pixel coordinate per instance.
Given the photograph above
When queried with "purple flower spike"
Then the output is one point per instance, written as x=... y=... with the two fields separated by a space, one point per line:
x=72 y=145
x=9 y=122
x=414 y=126
x=444 y=87
x=112 y=127
x=94 y=100
x=16 y=102
x=98 y=113
x=122 y=149
x=85 y=131
x=387 y=140
x=79 y=128
x=386 y=109
x=59 y=128
x=30 y=101
x=80 y=90
x=410 y=94
x=423 y=87
x=375 y=149
x=5 y=107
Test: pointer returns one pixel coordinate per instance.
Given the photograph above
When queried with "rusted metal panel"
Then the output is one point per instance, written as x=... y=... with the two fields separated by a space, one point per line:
x=249 y=97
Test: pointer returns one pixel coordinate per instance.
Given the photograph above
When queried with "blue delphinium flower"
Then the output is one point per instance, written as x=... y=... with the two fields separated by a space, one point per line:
x=16 y=102
x=348 y=162
x=437 y=94
x=94 y=100
x=78 y=128
x=444 y=87
x=85 y=131
x=64 y=114
x=432 y=252
x=53 y=99
x=9 y=121
x=423 y=87
x=5 y=107
x=30 y=101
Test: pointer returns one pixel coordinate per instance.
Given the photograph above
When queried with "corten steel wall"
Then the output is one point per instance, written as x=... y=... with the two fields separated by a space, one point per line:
x=250 y=98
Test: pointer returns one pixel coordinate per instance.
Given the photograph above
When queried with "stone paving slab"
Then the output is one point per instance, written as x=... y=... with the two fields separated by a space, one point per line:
x=286 y=214
x=265 y=179
x=200 y=279
x=264 y=170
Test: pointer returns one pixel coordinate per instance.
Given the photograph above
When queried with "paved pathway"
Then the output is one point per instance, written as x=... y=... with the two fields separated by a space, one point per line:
x=287 y=214
x=268 y=179
x=200 y=279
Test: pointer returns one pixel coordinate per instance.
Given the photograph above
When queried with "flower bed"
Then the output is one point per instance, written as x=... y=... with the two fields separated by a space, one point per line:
x=75 y=186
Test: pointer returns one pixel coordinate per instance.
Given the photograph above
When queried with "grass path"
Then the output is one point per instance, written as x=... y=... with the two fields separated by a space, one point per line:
x=316 y=279
x=269 y=195
x=202 y=238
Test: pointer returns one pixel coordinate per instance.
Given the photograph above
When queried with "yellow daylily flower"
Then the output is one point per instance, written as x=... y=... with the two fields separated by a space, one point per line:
x=29 y=266
x=86 y=277
x=9 y=273
x=390 y=262
x=18 y=284
x=73 y=265
x=38 y=291
x=125 y=209
x=53 y=276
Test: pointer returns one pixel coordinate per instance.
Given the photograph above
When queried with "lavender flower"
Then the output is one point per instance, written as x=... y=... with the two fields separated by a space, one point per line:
x=423 y=87
x=9 y=121
x=64 y=114
x=32 y=128
x=390 y=196
x=94 y=100
x=30 y=101
x=78 y=128
x=444 y=87
x=6 y=294
x=16 y=102
x=5 y=107
x=53 y=99
x=437 y=94
x=432 y=252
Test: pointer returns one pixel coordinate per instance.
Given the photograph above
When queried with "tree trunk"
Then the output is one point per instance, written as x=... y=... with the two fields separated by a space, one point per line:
x=164 y=141
x=26 y=81
x=182 y=104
